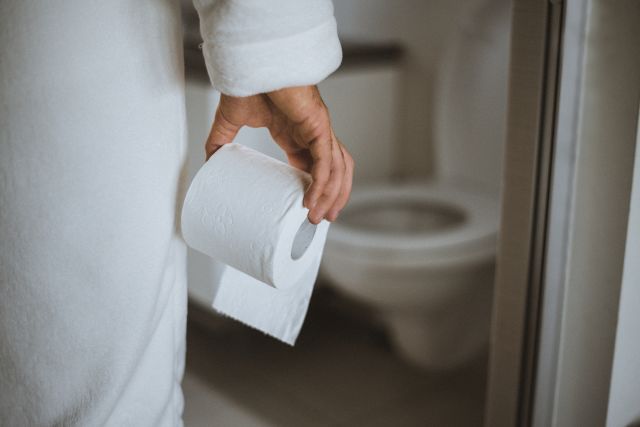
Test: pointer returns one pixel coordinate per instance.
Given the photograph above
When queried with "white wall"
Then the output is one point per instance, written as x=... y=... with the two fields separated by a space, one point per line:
x=470 y=108
x=363 y=103
x=424 y=28
x=624 y=396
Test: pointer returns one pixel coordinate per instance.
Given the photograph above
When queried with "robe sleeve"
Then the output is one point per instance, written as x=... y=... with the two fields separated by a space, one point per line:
x=257 y=46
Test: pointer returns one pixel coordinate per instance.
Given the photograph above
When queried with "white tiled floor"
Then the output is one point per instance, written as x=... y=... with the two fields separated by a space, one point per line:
x=342 y=372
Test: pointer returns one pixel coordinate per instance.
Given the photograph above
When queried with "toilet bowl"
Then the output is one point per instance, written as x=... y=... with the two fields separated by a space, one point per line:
x=422 y=255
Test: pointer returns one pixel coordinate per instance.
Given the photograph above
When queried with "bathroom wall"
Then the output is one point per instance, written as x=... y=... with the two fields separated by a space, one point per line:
x=424 y=28
x=470 y=104
x=363 y=103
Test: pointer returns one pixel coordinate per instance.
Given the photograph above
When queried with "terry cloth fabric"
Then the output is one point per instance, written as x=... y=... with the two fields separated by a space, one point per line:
x=92 y=151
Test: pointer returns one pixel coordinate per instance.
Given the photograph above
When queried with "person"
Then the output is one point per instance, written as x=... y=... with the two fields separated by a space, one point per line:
x=92 y=158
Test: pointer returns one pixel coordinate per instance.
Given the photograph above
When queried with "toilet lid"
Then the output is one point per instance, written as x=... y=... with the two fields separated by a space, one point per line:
x=417 y=222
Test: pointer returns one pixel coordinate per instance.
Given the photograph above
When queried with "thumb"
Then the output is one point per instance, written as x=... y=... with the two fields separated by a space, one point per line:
x=222 y=132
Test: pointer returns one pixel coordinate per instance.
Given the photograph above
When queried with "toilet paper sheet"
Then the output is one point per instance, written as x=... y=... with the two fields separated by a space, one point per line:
x=245 y=209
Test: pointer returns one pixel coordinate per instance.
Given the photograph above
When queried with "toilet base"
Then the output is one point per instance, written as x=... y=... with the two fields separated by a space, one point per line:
x=443 y=340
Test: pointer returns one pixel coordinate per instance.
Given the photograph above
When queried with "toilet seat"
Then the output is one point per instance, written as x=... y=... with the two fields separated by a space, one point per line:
x=467 y=229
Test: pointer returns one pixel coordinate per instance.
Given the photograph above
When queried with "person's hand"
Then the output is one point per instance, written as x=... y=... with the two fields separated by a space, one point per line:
x=299 y=122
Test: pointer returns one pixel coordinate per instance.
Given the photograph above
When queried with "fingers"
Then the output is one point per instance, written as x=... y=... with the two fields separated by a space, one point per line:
x=314 y=135
x=322 y=158
x=347 y=181
x=222 y=132
x=337 y=188
x=310 y=139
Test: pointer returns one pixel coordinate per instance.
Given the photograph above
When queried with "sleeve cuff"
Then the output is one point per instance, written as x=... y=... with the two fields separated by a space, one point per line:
x=301 y=59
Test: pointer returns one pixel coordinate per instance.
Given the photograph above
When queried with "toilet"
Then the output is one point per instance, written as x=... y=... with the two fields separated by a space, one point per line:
x=421 y=254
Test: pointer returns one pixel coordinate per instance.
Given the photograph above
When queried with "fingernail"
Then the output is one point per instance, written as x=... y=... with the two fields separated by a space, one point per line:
x=332 y=216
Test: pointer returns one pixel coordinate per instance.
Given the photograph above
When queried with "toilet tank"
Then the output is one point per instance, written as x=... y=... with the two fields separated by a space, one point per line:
x=470 y=99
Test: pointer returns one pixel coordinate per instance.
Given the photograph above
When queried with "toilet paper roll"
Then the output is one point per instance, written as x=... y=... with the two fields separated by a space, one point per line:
x=245 y=209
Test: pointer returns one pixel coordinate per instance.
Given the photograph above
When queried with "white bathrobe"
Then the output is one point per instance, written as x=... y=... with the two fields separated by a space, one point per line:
x=92 y=153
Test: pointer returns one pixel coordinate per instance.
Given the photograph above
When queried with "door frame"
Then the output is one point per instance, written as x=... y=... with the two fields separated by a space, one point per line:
x=571 y=135
x=532 y=104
